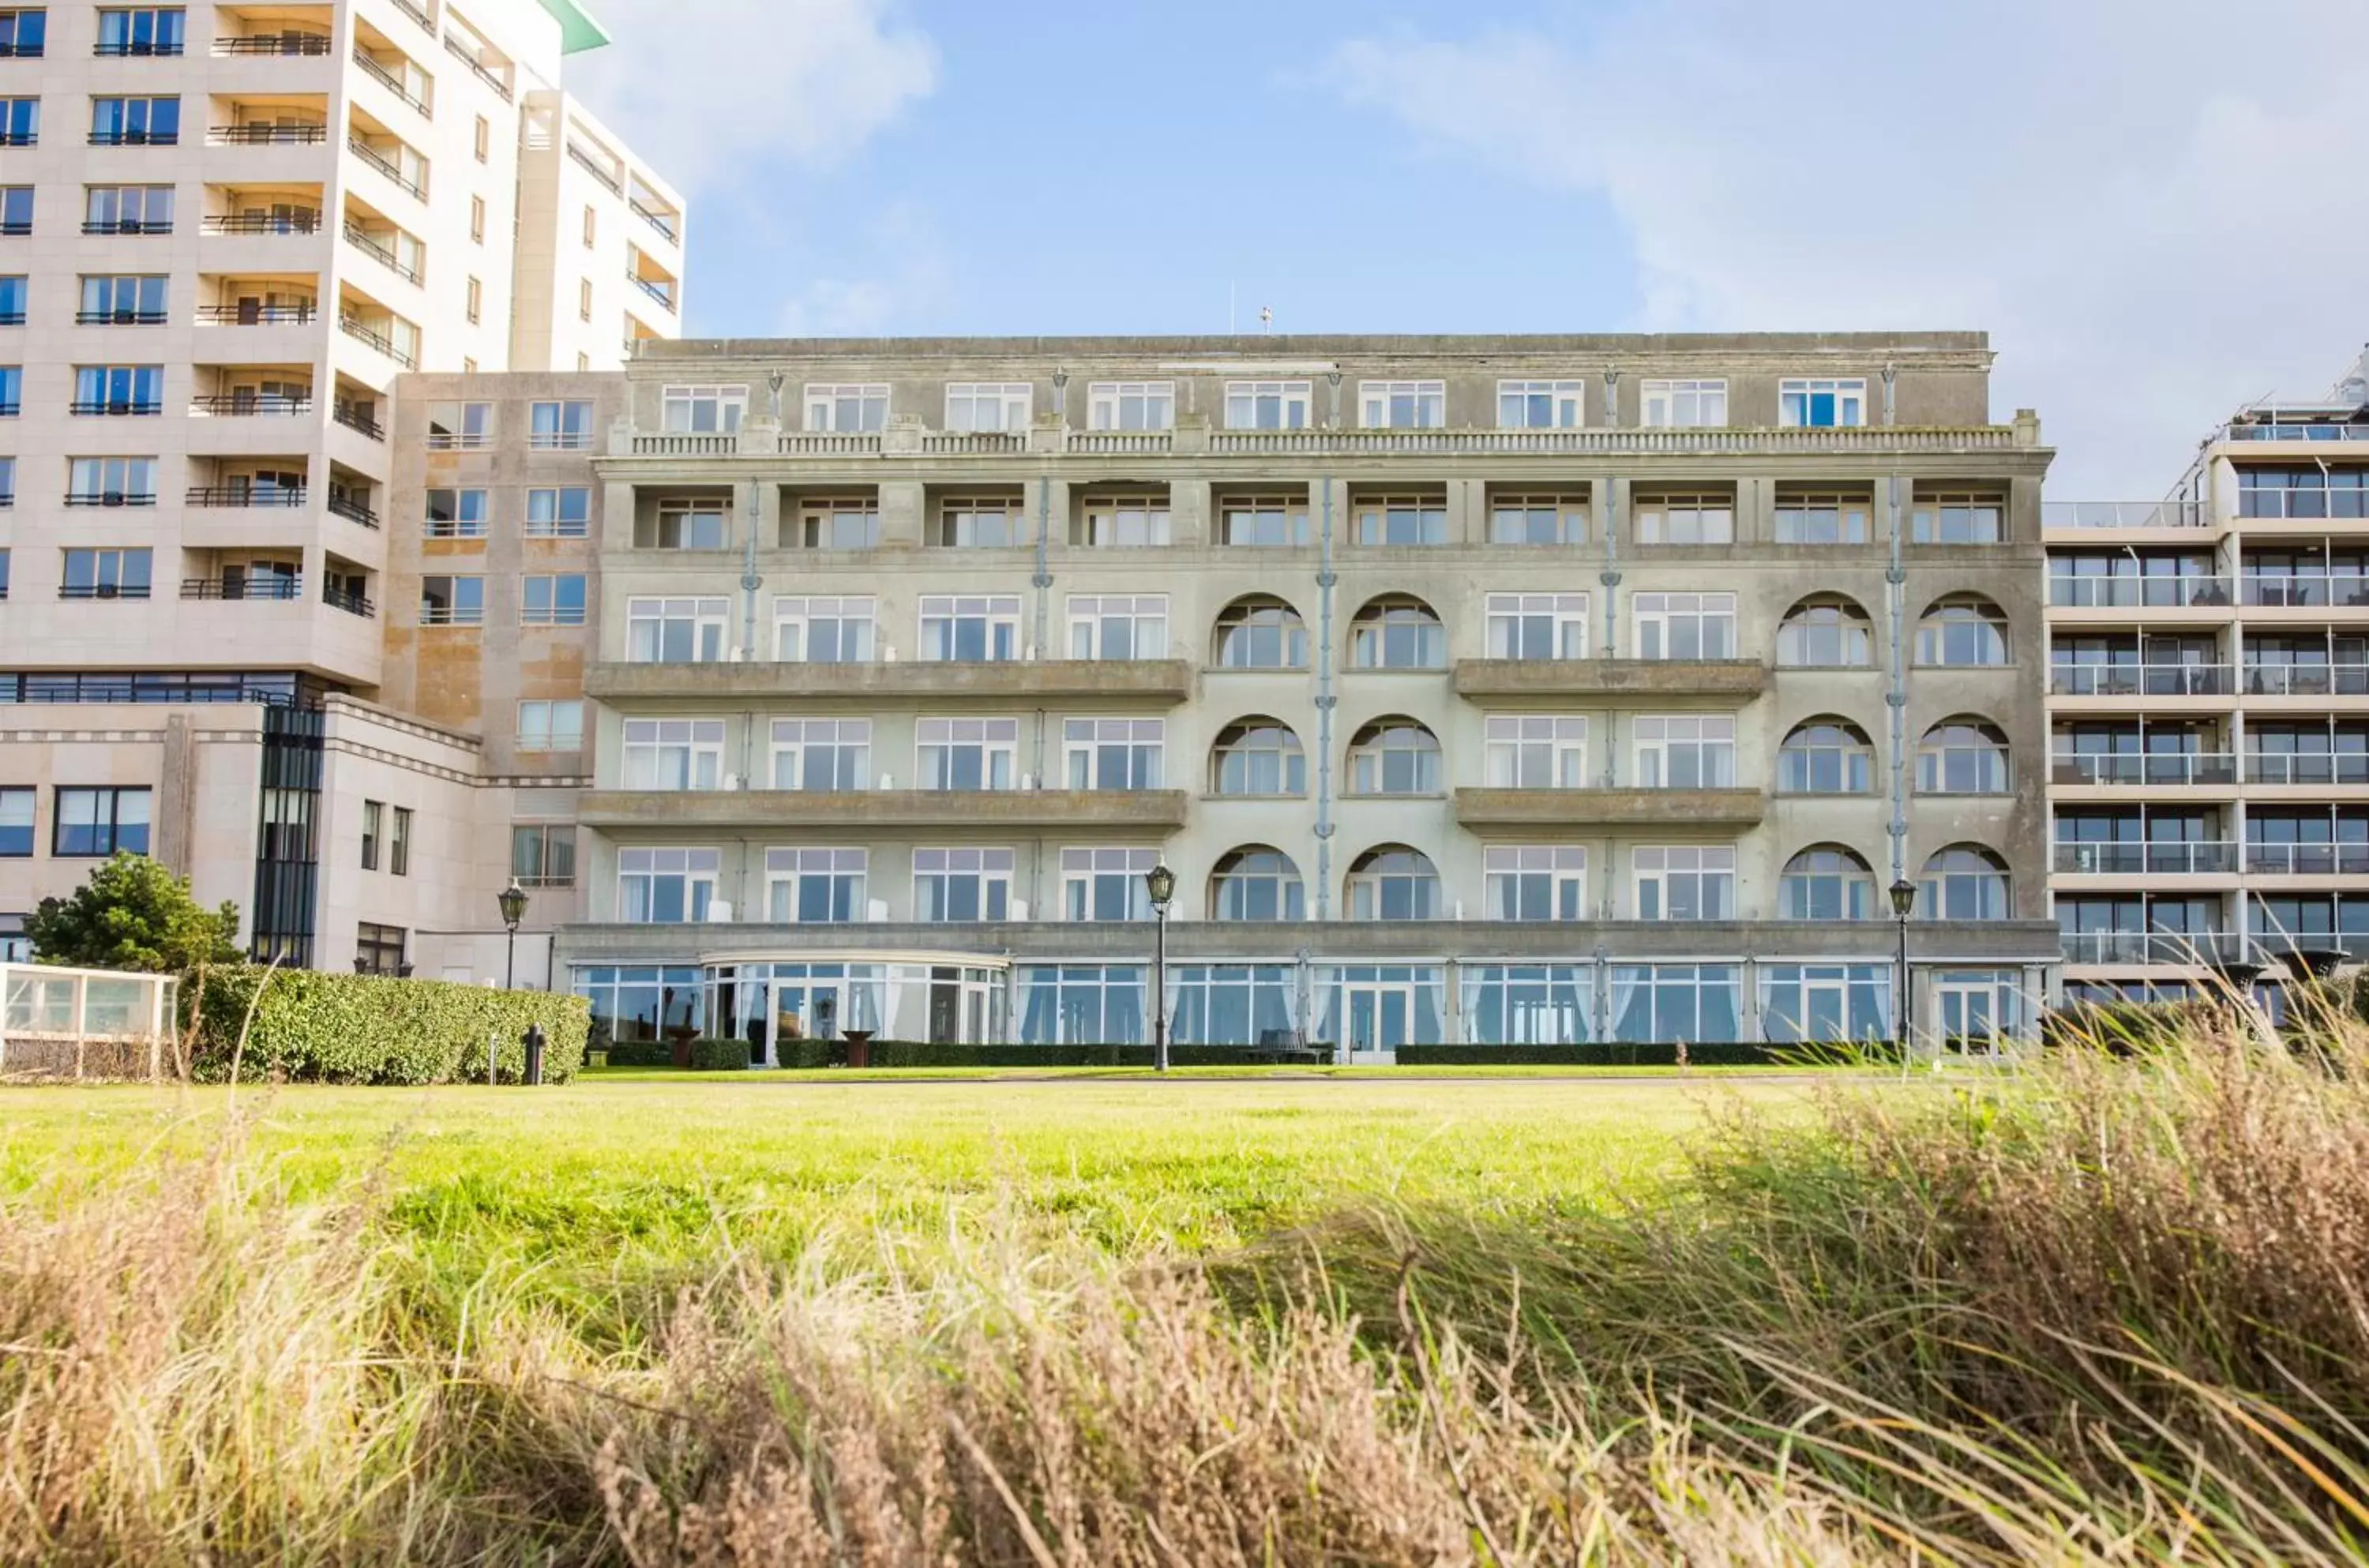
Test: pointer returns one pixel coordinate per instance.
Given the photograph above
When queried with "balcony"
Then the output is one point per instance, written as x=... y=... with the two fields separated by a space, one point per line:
x=241 y=403
x=354 y=416
x=2276 y=430
x=2116 y=515
x=417 y=15
x=664 y=222
x=103 y=591
x=605 y=173
x=113 y=407
x=353 y=327
x=121 y=319
x=266 y=587
x=1619 y=808
x=388 y=79
x=2307 y=768
x=2316 y=950
x=304 y=222
x=2138 y=593
x=2198 y=949
x=135 y=138
x=351 y=510
x=110 y=497
x=351 y=602
x=1068 y=680
x=2153 y=769
x=1147 y=809
x=1653 y=679
x=265 y=134
x=2306 y=590
x=2137 y=859
x=2305 y=680
x=384 y=166
x=470 y=58
x=2141 y=681
x=257 y=315
x=364 y=241
x=278 y=495
x=2308 y=860
x=284 y=44
x=664 y=296
x=131 y=226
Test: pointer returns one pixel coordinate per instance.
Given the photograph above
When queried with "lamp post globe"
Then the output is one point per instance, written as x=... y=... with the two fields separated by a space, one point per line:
x=1160 y=883
x=1903 y=901
x=512 y=900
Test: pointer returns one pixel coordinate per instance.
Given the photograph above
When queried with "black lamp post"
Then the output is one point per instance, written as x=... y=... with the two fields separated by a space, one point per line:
x=1161 y=884
x=1903 y=899
x=513 y=899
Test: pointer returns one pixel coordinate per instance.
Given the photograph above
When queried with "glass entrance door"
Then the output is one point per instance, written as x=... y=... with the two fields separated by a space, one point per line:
x=1381 y=1016
x=1977 y=1010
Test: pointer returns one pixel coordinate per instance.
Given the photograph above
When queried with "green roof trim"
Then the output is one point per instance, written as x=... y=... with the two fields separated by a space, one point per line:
x=577 y=30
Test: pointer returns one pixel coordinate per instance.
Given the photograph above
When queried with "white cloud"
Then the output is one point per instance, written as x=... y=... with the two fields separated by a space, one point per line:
x=2152 y=205
x=714 y=91
x=902 y=273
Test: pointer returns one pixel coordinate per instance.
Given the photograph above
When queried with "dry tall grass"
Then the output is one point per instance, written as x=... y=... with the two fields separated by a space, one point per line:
x=2104 y=1312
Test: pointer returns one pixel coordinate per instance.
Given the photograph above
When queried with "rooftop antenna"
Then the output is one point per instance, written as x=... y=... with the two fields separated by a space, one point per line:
x=1266 y=319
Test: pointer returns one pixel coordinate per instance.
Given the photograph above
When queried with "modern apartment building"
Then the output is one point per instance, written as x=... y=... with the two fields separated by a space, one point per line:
x=2209 y=709
x=225 y=230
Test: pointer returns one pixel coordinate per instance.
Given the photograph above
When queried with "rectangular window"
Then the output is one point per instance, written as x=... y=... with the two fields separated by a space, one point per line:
x=1102 y=1004
x=105 y=574
x=1534 y=882
x=473 y=300
x=1679 y=405
x=478 y=220
x=1684 y=751
x=1821 y=517
x=584 y=298
x=665 y=887
x=20 y=122
x=815 y=887
x=118 y=300
x=824 y=631
x=1538 y=520
x=16 y=823
x=1656 y=1003
x=12 y=393
x=458 y=514
x=1108 y=626
x=112 y=482
x=1113 y=753
x=1541 y=405
x=560 y=427
x=378 y=949
x=1957 y=517
x=135 y=122
x=119 y=389
x=543 y=855
x=485 y=138
x=1684 y=517
x=591 y=227
x=1403 y=519
x=4 y=555
x=1685 y=625
x=847 y=407
x=702 y=410
x=672 y=754
x=988 y=405
x=1109 y=521
x=1403 y=404
x=1537 y=751
x=970 y=630
x=834 y=522
x=980 y=522
x=459 y=427
x=830 y=755
x=373 y=827
x=12 y=299
x=551 y=726
x=1130 y=404
x=24 y=35
x=1821 y=404
x=1825 y=1004
x=675 y=631
x=126 y=209
x=1266 y=405
x=564 y=513
x=146 y=30
x=1537 y=625
x=1272 y=522
x=966 y=753
x=685 y=522
x=16 y=210
x=1685 y=882
x=1106 y=885
x=962 y=885
x=98 y=822
x=554 y=601
x=452 y=601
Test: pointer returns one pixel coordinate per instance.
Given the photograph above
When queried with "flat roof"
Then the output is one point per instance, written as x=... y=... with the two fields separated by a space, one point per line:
x=577 y=30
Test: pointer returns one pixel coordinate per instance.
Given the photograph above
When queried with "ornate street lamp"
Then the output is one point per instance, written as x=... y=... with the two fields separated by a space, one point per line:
x=1160 y=883
x=1904 y=900
x=513 y=899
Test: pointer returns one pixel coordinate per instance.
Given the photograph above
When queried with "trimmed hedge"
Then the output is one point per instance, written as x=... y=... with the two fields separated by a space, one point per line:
x=1624 y=1053
x=641 y=1053
x=719 y=1056
x=374 y=1029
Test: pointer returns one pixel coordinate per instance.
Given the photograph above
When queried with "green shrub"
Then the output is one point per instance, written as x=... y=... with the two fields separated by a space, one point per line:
x=1617 y=1053
x=641 y=1053
x=719 y=1056
x=374 y=1029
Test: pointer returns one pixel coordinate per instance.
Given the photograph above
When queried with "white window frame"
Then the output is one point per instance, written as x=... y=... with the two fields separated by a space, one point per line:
x=567 y=433
x=86 y=477
x=653 y=751
x=707 y=619
x=455 y=613
x=1684 y=517
x=558 y=525
x=1995 y=760
x=1793 y=405
x=1370 y=638
x=1655 y=873
x=854 y=620
x=1087 y=744
x=1929 y=510
x=1534 y=751
x=992 y=867
x=551 y=724
x=943 y=615
x=1509 y=616
x=701 y=869
x=829 y=406
x=682 y=409
x=1093 y=618
x=1852 y=511
x=818 y=522
x=1425 y=403
x=1081 y=869
x=793 y=741
x=1566 y=405
x=552 y=612
x=1570 y=510
x=1130 y=404
x=787 y=867
x=1656 y=741
x=1246 y=401
x=1652 y=617
x=1683 y=403
x=1105 y=520
x=1370 y=755
x=996 y=739
x=1291 y=508
x=1372 y=514
x=990 y=406
x=675 y=512
x=1564 y=867
x=947 y=533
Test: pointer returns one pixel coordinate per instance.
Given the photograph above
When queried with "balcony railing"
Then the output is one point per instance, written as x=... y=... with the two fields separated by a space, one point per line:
x=2308 y=860
x=646 y=286
x=244 y=496
x=257 y=315
x=114 y=406
x=388 y=79
x=353 y=510
x=142 y=49
x=415 y=13
x=110 y=497
x=20 y=138
x=120 y=318
x=263 y=135
x=2137 y=592
x=2139 y=679
x=354 y=416
x=22 y=50
x=2144 y=768
x=378 y=341
x=16 y=228
x=130 y=226
x=2275 y=945
x=290 y=44
x=2305 y=680
x=2166 y=859
x=384 y=166
x=103 y=591
x=300 y=223
x=12 y=319
x=2201 y=948
x=606 y=176
x=362 y=240
x=2124 y=514
x=135 y=138
x=240 y=404
x=467 y=56
x=243 y=587
x=559 y=440
x=662 y=221
x=2275 y=431
x=2307 y=768
x=351 y=602
x=2303 y=505
x=2306 y=590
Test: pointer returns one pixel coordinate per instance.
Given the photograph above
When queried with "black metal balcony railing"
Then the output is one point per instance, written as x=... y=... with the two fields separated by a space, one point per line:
x=2308 y=860
x=244 y=496
x=353 y=510
x=10 y=409
x=664 y=296
x=363 y=240
x=346 y=600
x=112 y=407
x=20 y=138
x=467 y=56
x=12 y=319
x=257 y=315
x=304 y=223
x=120 y=318
x=662 y=221
x=297 y=44
x=21 y=50
x=267 y=135
x=128 y=226
x=384 y=166
x=143 y=49
x=354 y=416
x=135 y=138
x=389 y=80
x=415 y=13
x=378 y=341
x=593 y=166
x=2118 y=858
x=103 y=591
x=245 y=403
x=243 y=587
x=110 y=497
x=15 y=228
x=2144 y=768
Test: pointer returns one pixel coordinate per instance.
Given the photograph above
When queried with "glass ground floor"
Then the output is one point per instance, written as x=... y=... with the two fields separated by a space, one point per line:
x=1347 y=1009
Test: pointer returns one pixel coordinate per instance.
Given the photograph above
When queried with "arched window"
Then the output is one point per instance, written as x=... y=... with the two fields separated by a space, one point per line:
x=1963 y=629
x=1392 y=882
x=1962 y=756
x=1825 y=633
x=1964 y=882
x=1827 y=882
x=1394 y=756
x=1257 y=883
x=1258 y=756
x=1260 y=633
x=1826 y=756
x=1397 y=633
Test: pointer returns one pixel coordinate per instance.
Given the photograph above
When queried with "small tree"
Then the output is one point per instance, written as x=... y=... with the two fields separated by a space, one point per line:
x=133 y=914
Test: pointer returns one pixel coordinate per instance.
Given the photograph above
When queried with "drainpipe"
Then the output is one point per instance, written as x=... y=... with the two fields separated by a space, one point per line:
x=1896 y=577
x=1043 y=581
x=749 y=583
x=1610 y=579
x=1324 y=702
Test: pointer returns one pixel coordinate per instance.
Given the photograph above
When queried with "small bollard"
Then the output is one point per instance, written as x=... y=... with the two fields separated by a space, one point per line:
x=532 y=1039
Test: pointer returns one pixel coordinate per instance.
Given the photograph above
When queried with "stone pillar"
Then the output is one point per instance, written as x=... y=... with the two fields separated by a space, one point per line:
x=175 y=817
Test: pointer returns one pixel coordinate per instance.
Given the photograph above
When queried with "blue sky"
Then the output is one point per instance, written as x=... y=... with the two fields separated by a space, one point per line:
x=2151 y=210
